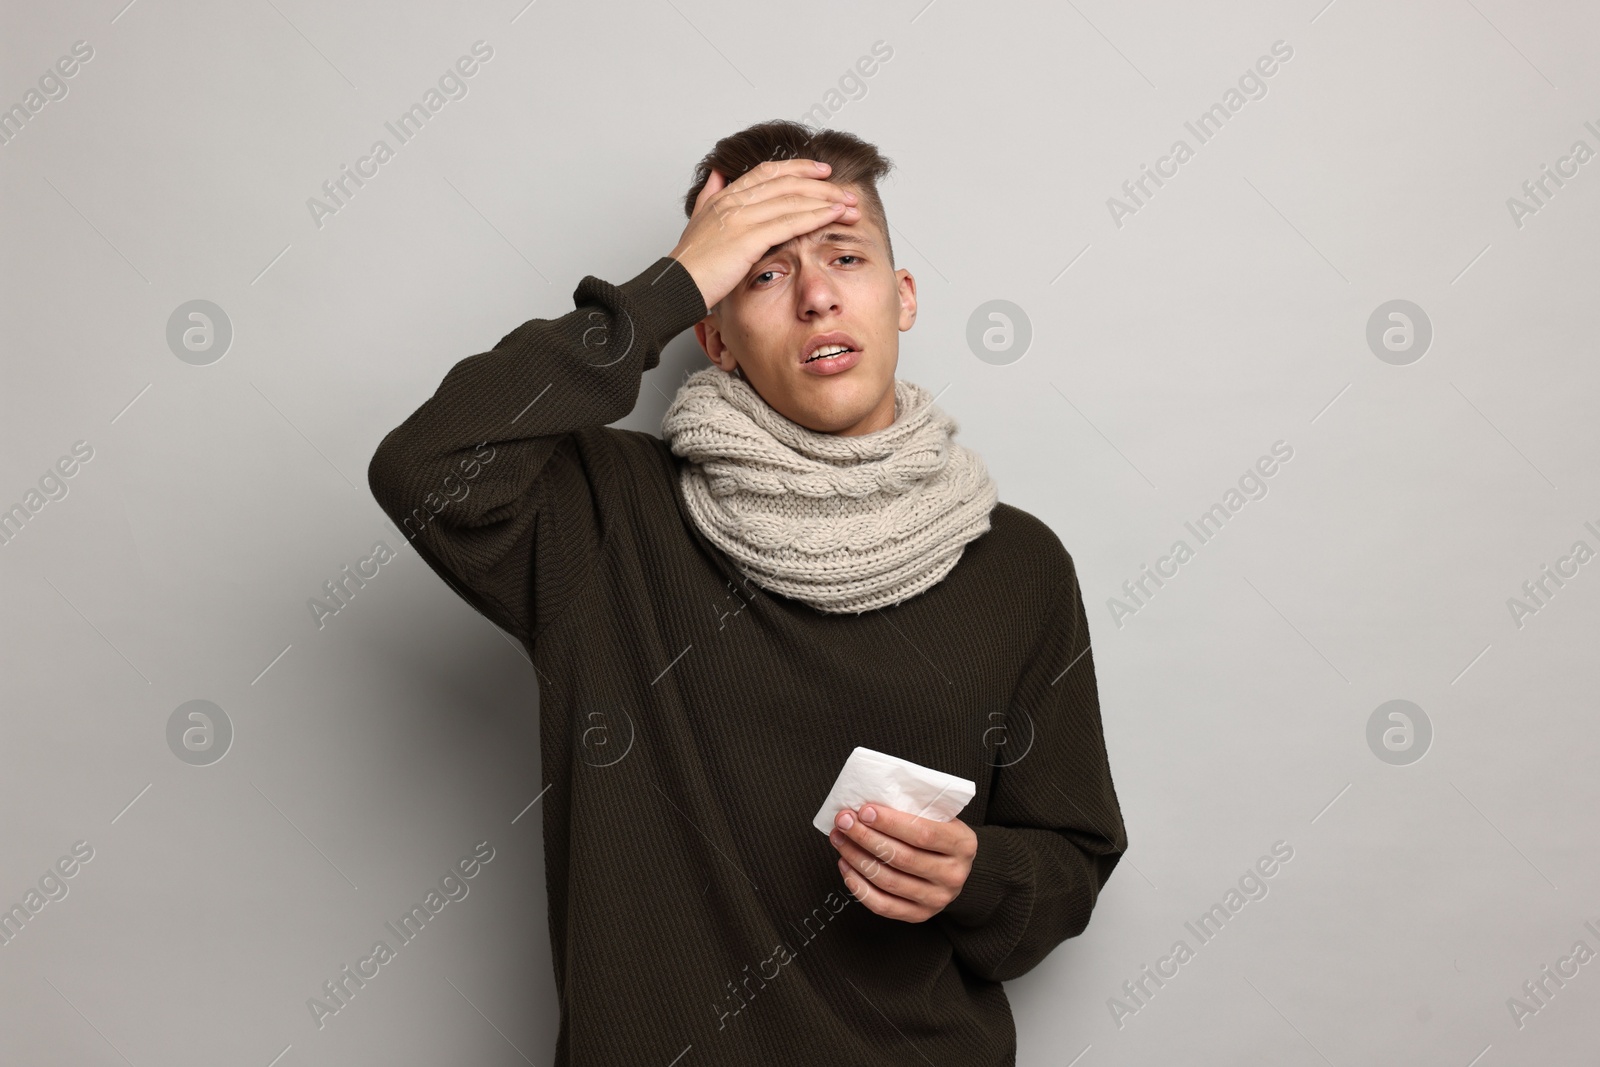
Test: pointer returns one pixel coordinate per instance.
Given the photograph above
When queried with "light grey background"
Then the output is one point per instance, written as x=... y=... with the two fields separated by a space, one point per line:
x=1168 y=354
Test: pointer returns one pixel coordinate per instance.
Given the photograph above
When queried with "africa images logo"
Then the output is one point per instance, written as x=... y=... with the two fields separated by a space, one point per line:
x=339 y=990
x=452 y=85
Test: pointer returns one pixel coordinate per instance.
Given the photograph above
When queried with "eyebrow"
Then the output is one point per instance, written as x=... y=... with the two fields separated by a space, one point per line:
x=831 y=237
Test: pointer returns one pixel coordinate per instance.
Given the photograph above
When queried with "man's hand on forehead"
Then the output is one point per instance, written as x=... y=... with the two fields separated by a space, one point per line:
x=735 y=224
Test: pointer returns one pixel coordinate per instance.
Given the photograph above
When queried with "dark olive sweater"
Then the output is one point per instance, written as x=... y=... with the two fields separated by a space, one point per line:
x=691 y=724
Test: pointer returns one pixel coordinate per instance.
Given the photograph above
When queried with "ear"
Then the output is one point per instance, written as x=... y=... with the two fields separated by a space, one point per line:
x=908 y=299
x=709 y=335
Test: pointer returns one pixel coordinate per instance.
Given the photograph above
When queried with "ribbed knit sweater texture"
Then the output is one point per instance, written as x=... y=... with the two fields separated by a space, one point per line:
x=691 y=723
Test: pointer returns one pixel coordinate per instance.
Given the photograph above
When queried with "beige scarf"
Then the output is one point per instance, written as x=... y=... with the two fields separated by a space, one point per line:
x=845 y=524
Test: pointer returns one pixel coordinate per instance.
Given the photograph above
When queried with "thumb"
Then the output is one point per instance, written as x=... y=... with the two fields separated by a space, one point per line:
x=715 y=183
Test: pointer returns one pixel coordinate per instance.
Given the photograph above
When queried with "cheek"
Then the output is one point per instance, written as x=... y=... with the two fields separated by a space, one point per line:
x=757 y=333
x=746 y=343
x=885 y=304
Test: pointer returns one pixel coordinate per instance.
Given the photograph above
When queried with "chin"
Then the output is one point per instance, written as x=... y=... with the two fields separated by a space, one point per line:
x=841 y=410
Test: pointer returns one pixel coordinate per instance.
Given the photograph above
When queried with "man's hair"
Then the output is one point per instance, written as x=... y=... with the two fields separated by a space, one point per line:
x=854 y=162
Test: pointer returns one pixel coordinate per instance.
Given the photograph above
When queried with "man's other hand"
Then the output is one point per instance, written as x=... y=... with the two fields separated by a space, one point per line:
x=902 y=866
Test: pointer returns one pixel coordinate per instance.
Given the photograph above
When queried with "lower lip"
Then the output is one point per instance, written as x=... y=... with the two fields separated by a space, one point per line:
x=832 y=364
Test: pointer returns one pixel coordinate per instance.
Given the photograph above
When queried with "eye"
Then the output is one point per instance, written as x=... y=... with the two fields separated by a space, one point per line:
x=763 y=274
x=857 y=258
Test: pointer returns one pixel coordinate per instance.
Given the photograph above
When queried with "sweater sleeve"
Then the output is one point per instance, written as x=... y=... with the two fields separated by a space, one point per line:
x=1053 y=832
x=486 y=478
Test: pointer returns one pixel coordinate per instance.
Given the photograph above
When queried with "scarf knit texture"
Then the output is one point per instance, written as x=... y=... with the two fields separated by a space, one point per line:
x=845 y=524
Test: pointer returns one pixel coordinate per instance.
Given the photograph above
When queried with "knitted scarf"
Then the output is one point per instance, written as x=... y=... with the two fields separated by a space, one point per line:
x=845 y=524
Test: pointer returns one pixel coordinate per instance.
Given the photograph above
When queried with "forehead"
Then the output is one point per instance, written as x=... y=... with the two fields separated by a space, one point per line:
x=864 y=233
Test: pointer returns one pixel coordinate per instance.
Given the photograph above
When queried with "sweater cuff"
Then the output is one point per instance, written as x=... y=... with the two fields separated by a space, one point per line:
x=1000 y=866
x=664 y=301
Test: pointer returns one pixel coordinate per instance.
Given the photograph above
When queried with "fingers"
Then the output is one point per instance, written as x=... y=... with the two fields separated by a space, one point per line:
x=790 y=215
x=889 y=905
x=784 y=227
x=954 y=838
x=736 y=198
x=775 y=168
x=887 y=891
x=870 y=850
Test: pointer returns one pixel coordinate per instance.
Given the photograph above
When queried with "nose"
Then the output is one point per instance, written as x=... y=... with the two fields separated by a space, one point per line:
x=817 y=295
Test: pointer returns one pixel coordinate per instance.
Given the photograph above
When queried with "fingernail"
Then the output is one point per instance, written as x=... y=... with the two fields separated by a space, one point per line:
x=869 y=813
x=821 y=165
x=846 y=820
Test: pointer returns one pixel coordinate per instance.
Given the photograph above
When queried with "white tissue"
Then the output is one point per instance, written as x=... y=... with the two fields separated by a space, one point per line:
x=875 y=777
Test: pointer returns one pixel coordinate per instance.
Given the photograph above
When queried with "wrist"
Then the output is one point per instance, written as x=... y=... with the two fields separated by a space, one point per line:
x=665 y=300
x=690 y=263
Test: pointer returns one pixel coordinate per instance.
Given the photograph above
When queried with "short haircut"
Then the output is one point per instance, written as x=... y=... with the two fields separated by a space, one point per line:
x=854 y=162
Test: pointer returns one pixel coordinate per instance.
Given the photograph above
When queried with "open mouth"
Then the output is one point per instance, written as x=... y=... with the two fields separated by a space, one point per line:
x=829 y=352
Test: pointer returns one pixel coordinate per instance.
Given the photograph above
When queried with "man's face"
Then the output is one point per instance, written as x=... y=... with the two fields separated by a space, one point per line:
x=835 y=284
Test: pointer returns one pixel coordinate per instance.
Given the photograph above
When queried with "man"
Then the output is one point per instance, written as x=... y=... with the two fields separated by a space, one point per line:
x=803 y=563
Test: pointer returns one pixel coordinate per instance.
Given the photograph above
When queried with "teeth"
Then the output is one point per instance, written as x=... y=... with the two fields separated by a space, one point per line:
x=828 y=350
